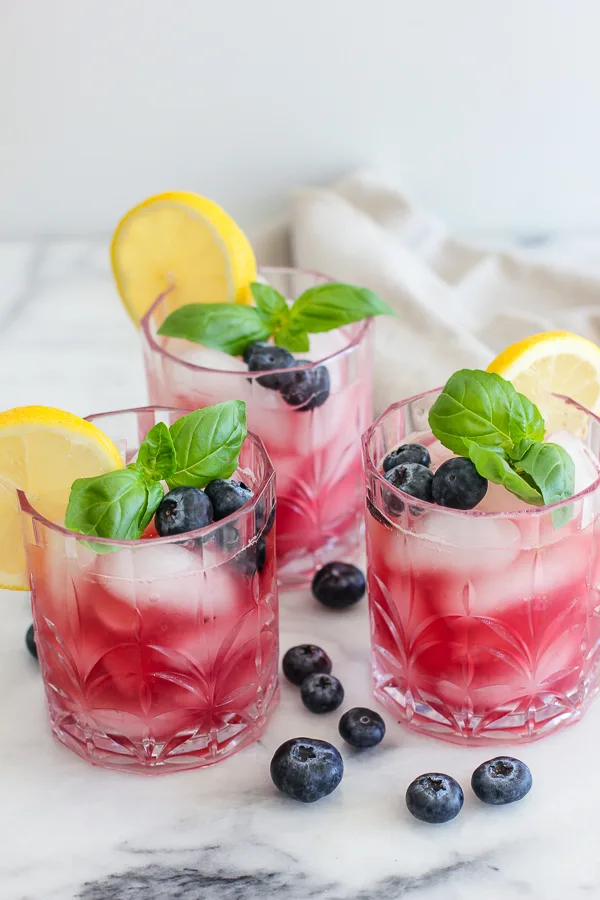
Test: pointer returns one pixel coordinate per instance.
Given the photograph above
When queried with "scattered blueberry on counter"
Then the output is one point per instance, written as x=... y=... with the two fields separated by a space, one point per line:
x=322 y=693
x=362 y=728
x=306 y=769
x=501 y=780
x=30 y=642
x=304 y=660
x=434 y=798
x=338 y=584
x=183 y=509
x=407 y=453
x=457 y=484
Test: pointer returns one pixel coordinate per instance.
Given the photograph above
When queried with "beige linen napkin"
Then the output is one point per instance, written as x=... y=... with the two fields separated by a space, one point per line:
x=457 y=305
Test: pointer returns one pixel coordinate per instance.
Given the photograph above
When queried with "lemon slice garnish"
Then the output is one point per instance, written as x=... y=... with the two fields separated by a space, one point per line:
x=555 y=362
x=185 y=242
x=42 y=451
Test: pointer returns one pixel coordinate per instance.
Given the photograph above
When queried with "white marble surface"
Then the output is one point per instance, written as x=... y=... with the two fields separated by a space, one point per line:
x=70 y=831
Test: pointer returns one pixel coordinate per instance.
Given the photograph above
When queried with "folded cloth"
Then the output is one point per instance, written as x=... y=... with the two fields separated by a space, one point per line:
x=458 y=305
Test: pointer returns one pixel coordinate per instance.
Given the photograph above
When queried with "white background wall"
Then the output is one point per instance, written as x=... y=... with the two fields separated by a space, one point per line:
x=488 y=111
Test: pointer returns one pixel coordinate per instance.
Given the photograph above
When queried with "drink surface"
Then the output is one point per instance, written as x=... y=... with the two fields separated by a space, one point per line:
x=485 y=627
x=316 y=453
x=161 y=653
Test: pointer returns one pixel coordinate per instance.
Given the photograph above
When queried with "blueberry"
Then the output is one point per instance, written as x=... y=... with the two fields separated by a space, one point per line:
x=322 y=693
x=306 y=769
x=254 y=348
x=183 y=509
x=265 y=523
x=411 y=478
x=362 y=727
x=458 y=485
x=261 y=553
x=338 y=584
x=407 y=453
x=501 y=780
x=307 y=388
x=377 y=514
x=264 y=358
x=227 y=496
x=227 y=538
x=434 y=798
x=303 y=660
x=30 y=641
x=253 y=558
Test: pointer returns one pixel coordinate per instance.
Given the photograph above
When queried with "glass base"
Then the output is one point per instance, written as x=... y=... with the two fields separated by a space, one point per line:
x=184 y=749
x=520 y=722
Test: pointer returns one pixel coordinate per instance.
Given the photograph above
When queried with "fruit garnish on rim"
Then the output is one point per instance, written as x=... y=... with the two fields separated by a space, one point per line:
x=498 y=435
x=555 y=362
x=198 y=451
x=183 y=242
x=41 y=450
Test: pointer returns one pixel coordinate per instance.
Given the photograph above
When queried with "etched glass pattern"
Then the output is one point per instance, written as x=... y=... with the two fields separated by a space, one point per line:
x=484 y=626
x=161 y=654
x=316 y=453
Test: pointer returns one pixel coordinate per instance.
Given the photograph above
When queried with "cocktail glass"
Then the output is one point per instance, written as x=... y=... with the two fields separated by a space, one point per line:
x=316 y=453
x=158 y=654
x=485 y=626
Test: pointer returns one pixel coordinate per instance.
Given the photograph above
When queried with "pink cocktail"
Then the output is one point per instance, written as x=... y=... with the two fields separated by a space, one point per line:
x=315 y=452
x=158 y=654
x=485 y=623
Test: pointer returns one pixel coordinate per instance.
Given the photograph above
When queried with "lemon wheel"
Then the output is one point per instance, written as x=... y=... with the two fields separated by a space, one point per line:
x=42 y=451
x=184 y=242
x=555 y=362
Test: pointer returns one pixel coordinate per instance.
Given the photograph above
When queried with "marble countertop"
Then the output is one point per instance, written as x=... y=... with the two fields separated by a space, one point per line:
x=69 y=831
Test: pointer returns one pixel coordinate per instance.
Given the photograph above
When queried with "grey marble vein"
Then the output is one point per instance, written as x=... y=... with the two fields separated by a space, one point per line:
x=206 y=879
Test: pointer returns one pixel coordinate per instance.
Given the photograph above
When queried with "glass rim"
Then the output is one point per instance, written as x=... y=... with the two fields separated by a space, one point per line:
x=281 y=270
x=371 y=467
x=27 y=507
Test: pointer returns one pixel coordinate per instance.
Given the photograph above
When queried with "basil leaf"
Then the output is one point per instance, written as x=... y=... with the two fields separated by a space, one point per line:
x=519 y=450
x=329 y=306
x=483 y=407
x=551 y=468
x=525 y=422
x=155 y=495
x=224 y=326
x=270 y=305
x=492 y=464
x=156 y=456
x=208 y=443
x=295 y=341
x=113 y=505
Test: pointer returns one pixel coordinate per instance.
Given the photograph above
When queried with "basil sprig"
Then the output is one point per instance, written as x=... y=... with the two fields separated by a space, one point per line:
x=480 y=415
x=231 y=327
x=196 y=449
